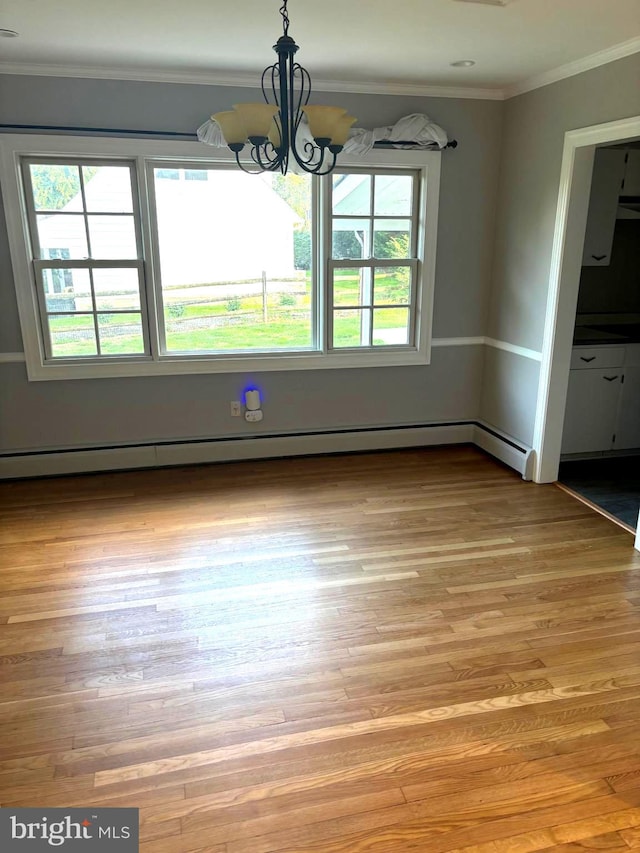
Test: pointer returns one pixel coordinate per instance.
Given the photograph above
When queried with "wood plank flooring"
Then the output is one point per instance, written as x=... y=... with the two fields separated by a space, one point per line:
x=387 y=652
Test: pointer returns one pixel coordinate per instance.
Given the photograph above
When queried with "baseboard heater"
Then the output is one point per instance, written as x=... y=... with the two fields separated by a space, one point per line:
x=199 y=451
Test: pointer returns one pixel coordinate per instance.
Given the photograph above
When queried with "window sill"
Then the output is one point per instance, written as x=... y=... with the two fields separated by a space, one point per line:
x=181 y=365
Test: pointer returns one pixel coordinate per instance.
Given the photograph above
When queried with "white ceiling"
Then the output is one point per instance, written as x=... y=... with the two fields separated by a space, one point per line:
x=369 y=44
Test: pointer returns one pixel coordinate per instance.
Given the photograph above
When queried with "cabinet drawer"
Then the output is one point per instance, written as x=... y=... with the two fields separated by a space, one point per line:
x=589 y=357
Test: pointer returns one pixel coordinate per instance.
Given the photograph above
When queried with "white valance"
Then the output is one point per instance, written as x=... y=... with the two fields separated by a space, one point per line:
x=412 y=131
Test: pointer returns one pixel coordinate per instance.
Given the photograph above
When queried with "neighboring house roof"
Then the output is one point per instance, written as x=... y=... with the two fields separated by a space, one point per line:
x=351 y=197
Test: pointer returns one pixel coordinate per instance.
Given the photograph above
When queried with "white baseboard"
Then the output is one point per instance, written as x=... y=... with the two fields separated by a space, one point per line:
x=75 y=462
x=189 y=453
x=516 y=456
x=54 y=463
x=301 y=445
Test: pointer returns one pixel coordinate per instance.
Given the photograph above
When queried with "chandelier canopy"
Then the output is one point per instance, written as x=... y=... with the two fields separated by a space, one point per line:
x=272 y=128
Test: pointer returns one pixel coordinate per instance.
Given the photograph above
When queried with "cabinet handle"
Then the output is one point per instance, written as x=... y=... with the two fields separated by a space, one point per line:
x=598 y=257
x=611 y=378
x=582 y=358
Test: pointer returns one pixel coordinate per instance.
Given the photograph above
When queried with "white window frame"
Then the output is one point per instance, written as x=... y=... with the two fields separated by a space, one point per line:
x=89 y=263
x=372 y=263
x=15 y=147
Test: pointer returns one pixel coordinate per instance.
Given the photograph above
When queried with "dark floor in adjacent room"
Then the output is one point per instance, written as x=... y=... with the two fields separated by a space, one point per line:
x=612 y=484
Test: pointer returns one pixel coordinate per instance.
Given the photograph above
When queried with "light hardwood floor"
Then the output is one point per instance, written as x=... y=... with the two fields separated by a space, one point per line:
x=390 y=652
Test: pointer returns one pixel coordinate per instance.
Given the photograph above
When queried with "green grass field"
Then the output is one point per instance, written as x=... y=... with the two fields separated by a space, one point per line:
x=288 y=323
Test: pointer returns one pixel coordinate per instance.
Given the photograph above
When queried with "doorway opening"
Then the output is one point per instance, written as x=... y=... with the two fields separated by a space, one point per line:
x=564 y=285
x=599 y=460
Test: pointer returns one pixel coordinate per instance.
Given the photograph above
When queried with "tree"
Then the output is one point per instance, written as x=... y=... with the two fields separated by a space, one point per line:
x=55 y=185
x=296 y=191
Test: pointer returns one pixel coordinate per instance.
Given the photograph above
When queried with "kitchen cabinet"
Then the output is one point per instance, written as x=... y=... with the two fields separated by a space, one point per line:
x=608 y=173
x=603 y=400
x=592 y=410
x=583 y=358
x=627 y=429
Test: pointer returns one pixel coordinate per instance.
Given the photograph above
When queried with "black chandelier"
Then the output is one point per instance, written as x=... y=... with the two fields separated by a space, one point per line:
x=273 y=128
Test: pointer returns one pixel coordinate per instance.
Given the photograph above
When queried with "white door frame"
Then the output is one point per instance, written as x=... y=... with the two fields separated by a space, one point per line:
x=564 y=281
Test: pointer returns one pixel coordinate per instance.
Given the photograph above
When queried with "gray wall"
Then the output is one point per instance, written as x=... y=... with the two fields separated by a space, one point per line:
x=533 y=137
x=507 y=401
x=105 y=411
x=97 y=412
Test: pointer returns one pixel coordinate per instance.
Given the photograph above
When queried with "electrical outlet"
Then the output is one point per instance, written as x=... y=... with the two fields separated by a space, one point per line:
x=236 y=409
x=253 y=416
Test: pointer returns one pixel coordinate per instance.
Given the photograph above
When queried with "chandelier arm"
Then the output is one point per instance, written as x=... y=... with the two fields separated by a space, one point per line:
x=317 y=169
x=269 y=76
x=310 y=149
x=304 y=91
x=260 y=156
x=271 y=94
x=244 y=168
x=271 y=166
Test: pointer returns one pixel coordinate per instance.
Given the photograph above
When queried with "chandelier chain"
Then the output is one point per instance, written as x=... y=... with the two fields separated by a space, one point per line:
x=285 y=17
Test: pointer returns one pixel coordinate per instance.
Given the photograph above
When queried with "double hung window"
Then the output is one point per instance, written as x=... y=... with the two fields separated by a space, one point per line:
x=135 y=258
x=373 y=264
x=86 y=257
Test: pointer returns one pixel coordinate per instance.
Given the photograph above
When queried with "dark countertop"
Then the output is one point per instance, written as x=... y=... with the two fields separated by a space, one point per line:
x=618 y=333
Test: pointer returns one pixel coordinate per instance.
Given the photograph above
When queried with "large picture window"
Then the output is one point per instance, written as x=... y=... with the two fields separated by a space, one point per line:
x=135 y=258
x=234 y=261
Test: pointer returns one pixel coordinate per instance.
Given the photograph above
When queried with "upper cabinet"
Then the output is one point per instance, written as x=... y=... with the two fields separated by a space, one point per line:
x=606 y=187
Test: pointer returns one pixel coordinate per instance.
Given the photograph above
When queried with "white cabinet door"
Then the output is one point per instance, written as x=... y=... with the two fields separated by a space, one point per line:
x=608 y=172
x=592 y=408
x=628 y=425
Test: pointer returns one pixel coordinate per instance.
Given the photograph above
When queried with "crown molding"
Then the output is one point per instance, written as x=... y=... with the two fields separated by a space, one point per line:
x=244 y=80
x=212 y=78
x=602 y=57
x=418 y=90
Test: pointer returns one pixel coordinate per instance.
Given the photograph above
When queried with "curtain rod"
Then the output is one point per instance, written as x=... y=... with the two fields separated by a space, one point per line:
x=171 y=133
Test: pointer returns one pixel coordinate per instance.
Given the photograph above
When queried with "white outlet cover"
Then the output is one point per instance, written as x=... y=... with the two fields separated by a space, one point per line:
x=253 y=416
